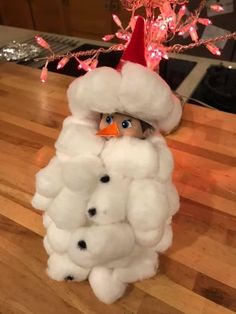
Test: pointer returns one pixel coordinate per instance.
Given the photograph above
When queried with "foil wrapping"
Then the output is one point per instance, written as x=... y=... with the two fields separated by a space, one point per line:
x=15 y=51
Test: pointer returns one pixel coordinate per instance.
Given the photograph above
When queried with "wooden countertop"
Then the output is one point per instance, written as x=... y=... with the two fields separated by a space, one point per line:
x=197 y=275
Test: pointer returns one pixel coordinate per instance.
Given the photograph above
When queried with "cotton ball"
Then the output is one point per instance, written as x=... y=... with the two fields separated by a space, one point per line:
x=96 y=91
x=58 y=238
x=146 y=101
x=108 y=202
x=41 y=202
x=143 y=265
x=149 y=238
x=83 y=117
x=173 y=198
x=47 y=246
x=48 y=179
x=82 y=172
x=77 y=139
x=46 y=220
x=166 y=239
x=105 y=285
x=60 y=267
x=148 y=205
x=130 y=157
x=68 y=209
x=90 y=246
x=166 y=162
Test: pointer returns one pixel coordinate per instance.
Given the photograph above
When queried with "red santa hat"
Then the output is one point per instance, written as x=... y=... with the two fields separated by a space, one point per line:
x=131 y=89
x=135 y=51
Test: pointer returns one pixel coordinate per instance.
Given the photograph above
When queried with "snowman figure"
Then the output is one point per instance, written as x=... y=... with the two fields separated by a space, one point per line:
x=107 y=194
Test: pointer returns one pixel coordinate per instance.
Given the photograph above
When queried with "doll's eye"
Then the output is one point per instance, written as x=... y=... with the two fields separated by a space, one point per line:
x=109 y=119
x=126 y=124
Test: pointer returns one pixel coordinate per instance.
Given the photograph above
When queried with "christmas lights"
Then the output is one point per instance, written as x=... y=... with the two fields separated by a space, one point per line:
x=63 y=62
x=164 y=20
x=216 y=8
x=44 y=74
x=41 y=42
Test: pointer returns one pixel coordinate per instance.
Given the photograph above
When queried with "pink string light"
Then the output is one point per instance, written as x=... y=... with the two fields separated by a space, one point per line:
x=213 y=49
x=164 y=20
x=216 y=7
x=205 y=22
x=108 y=37
x=44 y=74
x=193 y=34
x=41 y=42
x=181 y=13
x=117 y=21
x=62 y=62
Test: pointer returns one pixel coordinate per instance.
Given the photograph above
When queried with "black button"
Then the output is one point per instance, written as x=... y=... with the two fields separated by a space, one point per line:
x=67 y=278
x=92 y=211
x=105 y=179
x=82 y=245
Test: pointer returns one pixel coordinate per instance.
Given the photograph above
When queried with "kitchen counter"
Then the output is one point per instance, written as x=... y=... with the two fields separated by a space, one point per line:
x=197 y=274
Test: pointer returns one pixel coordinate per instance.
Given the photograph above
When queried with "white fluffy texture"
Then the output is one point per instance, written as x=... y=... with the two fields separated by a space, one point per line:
x=144 y=94
x=132 y=222
x=47 y=246
x=166 y=163
x=41 y=202
x=103 y=243
x=173 y=118
x=136 y=90
x=79 y=139
x=82 y=173
x=143 y=265
x=149 y=238
x=60 y=267
x=130 y=157
x=166 y=240
x=110 y=201
x=147 y=204
x=68 y=209
x=97 y=91
x=173 y=198
x=46 y=220
x=105 y=285
x=49 y=180
x=85 y=118
x=58 y=239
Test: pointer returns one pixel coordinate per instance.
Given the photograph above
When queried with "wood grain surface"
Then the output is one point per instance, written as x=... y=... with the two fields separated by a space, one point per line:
x=197 y=275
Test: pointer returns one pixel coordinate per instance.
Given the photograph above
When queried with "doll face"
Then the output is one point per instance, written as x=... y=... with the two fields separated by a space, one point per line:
x=125 y=125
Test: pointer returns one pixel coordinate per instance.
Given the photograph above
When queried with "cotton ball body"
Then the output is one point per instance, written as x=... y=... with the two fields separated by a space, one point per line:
x=68 y=209
x=94 y=245
x=82 y=173
x=60 y=268
x=108 y=202
x=58 y=239
x=148 y=210
x=77 y=139
x=41 y=202
x=49 y=180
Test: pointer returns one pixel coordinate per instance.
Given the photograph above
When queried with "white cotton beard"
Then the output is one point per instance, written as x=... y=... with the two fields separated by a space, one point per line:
x=130 y=157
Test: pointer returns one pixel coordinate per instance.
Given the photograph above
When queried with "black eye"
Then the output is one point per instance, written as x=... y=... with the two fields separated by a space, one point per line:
x=126 y=124
x=109 y=119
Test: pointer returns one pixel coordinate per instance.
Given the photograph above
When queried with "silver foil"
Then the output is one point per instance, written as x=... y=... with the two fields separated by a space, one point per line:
x=16 y=51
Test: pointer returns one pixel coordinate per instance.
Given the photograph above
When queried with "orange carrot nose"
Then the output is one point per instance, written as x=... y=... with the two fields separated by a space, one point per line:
x=110 y=130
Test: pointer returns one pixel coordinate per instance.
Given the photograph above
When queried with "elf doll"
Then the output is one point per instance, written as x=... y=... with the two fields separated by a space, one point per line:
x=108 y=194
